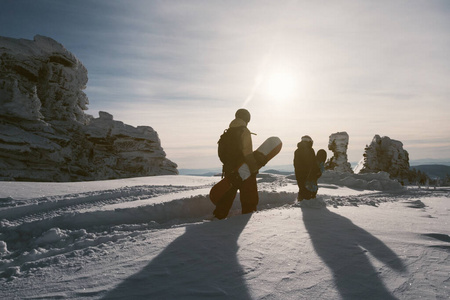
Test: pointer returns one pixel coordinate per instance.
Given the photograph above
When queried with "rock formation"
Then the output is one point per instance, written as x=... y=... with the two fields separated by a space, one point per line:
x=45 y=134
x=338 y=143
x=385 y=154
x=136 y=150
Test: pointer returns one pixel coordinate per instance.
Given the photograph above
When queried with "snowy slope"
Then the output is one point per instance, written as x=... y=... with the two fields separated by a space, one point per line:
x=150 y=238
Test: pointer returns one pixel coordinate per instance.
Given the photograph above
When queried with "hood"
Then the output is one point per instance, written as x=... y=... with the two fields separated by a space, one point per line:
x=238 y=123
x=304 y=145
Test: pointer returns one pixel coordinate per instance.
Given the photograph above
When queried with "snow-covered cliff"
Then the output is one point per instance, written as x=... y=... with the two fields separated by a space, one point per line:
x=45 y=134
x=385 y=154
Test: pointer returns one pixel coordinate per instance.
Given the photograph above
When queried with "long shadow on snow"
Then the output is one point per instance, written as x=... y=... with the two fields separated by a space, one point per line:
x=200 y=264
x=343 y=247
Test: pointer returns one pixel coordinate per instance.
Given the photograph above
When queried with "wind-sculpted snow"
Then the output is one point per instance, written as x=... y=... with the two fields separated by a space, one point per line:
x=369 y=181
x=35 y=228
x=60 y=234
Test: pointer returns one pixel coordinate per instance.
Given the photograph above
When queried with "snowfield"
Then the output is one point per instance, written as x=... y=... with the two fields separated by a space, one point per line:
x=365 y=237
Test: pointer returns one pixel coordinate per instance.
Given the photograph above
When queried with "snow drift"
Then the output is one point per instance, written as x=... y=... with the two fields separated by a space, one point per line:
x=151 y=238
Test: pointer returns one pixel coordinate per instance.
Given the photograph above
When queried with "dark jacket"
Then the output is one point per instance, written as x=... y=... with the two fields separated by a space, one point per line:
x=246 y=144
x=305 y=164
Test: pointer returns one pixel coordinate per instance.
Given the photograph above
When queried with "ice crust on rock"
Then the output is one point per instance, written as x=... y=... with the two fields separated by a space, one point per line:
x=338 y=143
x=41 y=80
x=45 y=135
x=387 y=155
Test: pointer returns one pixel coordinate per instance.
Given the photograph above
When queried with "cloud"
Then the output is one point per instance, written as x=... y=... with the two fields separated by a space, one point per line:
x=184 y=67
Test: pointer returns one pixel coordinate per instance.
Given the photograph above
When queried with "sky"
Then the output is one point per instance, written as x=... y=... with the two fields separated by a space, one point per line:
x=299 y=67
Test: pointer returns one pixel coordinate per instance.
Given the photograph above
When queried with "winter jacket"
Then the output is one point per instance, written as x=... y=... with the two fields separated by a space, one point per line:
x=246 y=142
x=305 y=163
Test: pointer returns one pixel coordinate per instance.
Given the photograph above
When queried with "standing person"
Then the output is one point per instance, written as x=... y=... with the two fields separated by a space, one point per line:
x=305 y=166
x=241 y=144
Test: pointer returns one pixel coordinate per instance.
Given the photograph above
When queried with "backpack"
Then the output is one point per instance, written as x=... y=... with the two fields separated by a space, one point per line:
x=230 y=147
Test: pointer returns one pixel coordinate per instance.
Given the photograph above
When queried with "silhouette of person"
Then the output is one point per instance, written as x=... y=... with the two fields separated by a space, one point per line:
x=247 y=188
x=305 y=166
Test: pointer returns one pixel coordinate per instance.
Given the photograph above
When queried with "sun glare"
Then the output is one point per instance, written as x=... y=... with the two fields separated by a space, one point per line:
x=281 y=85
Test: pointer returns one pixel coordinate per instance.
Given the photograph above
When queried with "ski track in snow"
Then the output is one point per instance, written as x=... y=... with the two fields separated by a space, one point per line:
x=56 y=230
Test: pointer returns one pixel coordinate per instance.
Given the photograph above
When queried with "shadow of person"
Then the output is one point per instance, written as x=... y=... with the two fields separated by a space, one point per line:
x=344 y=248
x=202 y=263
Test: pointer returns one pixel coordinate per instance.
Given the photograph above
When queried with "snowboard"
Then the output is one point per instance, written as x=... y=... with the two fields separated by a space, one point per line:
x=311 y=184
x=263 y=154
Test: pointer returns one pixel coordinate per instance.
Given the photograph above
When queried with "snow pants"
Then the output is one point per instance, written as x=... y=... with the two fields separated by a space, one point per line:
x=248 y=196
x=304 y=193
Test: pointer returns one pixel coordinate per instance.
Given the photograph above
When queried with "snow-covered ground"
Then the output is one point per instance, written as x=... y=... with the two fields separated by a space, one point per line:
x=150 y=238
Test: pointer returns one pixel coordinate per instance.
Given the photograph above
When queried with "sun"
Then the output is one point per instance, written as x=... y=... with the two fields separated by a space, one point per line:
x=281 y=85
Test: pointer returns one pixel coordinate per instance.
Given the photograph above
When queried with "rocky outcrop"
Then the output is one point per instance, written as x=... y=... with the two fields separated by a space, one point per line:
x=41 y=80
x=338 y=143
x=45 y=134
x=385 y=154
x=136 y=150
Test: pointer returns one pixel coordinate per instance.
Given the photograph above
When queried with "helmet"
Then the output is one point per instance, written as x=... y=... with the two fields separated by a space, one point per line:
x=307 y=138
x=243 y=114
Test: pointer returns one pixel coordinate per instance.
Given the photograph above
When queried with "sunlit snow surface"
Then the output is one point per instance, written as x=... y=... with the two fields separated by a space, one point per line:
x=151 y=238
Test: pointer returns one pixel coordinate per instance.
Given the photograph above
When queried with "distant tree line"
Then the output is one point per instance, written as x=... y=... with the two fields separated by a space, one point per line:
x=421 y=178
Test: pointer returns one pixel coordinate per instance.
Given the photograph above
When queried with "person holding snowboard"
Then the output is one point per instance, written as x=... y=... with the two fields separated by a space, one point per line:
x=238 y=150
x=306 y=168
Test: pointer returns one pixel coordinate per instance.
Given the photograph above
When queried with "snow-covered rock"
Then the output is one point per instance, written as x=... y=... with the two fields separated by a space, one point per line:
x=137 y=150
x=41 y=80
x=51 y=236
x=3 y=248
x=385 y=154
x=338 y=143
x=45 y=134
